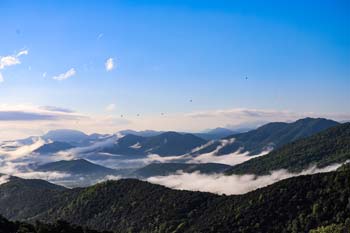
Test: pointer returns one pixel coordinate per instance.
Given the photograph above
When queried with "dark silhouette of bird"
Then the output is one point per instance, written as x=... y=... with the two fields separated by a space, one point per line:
x=246 y=78
x=191 y=101
x=121 y=115
x=138 y=115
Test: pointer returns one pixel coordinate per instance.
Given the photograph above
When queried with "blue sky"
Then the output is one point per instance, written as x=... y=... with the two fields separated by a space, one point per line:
x=296 y=56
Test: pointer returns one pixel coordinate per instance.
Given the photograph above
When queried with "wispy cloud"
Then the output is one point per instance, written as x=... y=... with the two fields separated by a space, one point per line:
x=56 y=109
x=23 y=52
x=71 y=72
x=110 y=107
x=1 y=78
x=109 y=64
x=32 y=113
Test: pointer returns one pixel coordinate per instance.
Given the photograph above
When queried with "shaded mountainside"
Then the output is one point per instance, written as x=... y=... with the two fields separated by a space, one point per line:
x=53 y=147
x=295 y=205
x=164 y=169
x=323 y=149
x=272 y=135
x=77 y=166
x=165 y=144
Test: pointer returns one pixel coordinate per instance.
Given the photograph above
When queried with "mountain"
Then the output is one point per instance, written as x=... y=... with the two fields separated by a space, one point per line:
x=216 y=133
x=298 y=204
x=322 y=149
x=164 y=169
x=172 y=143
x=57 y=227
x=82 y=173
x=165 y=144
x=53 y=147
x=21 y=198
x=268 y=137
x=77 y=166
x=66 y=135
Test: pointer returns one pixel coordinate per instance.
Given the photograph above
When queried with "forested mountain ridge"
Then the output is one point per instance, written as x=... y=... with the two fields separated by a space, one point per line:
x=325 y=148
x=270 y=136
x=294 y=205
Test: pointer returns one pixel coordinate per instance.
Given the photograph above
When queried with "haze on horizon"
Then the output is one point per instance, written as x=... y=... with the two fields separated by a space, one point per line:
x=170 y=65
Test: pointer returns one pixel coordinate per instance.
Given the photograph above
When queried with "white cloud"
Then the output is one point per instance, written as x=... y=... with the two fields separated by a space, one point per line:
x=100 y=36
x=44 y=74
x=22 y=150
x=8 y=61
x=71 y=72
x=23 y=52
x=109 y=64
x=234 y=184
x=11 y=59
x=110 y=107
x=1 y=78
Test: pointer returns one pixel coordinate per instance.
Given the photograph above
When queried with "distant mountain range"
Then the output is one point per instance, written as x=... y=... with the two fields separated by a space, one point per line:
x=80 y=168
x=322 y=149
x=268 y=137
x=136 y=206
x=265 y=138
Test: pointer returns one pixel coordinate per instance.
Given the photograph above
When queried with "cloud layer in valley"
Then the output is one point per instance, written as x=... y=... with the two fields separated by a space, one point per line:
x=233 y=184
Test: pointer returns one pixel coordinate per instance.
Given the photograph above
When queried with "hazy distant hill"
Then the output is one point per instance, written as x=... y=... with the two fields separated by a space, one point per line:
x=143 y=133
x=163 y=169
x=66 y=135
x=270 y=136
x=216 y=133
x=294 y=205
x=322 y=149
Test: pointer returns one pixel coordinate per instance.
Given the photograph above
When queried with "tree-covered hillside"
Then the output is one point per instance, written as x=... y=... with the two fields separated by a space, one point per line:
x=323 y=149
x=294 y=205
x=39 y=227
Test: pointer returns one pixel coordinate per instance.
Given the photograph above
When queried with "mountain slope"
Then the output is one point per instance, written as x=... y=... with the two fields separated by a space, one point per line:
x=165 y=144
x=78 y=166
x=22 y=227
x=269 y=136
x=323 y=149
x=20 y=198
x=297 y=204
x=164 y=169
x=54 y=147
